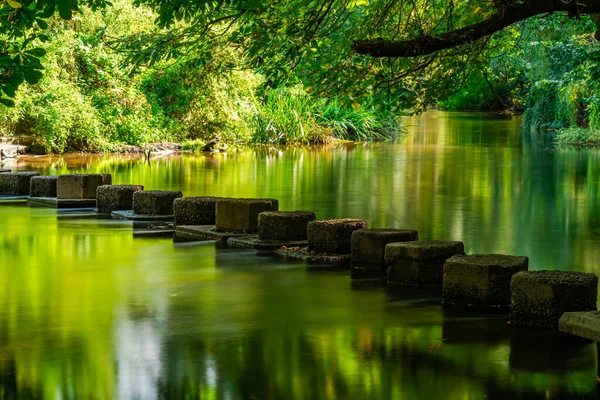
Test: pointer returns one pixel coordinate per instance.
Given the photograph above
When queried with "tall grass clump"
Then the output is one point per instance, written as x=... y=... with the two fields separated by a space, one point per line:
x=292 y=115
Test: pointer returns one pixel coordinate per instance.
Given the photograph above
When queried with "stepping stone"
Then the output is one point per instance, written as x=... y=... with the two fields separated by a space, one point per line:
x=368 y=249
x=284 y=225
x=241 y=215
x=43 y=186
x=116 y=197
x=333 y=236
x=195 y=210
x=192 y=233
x=585 y=324
x=540 y=298
x=155 y=230
x=16 y=183
x=419 y=263
x=302 y=253
x=4 y=170
x=106 y=179
x=151 y=205
x=78 y=186
x=480 y=280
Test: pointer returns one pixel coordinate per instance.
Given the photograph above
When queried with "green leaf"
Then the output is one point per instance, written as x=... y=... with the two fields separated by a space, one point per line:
x=49 y=11
x=7 y=102
x=9 y=90
x=14 y=4
x=64 y=9
x=38 y=52
x=41 y=23
x=32 y=76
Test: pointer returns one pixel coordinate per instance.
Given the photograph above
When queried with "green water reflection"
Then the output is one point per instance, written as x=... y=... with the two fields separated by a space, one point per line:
x=87 y=311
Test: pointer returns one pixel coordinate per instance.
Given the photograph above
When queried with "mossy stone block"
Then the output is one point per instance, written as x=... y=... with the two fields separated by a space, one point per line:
x=111 y=198
x=155 y=202
x=368 y=249
x=195 y=210
x=43 y=186
x=284 y=225
x=78 y=186
x=419 y=263
x=333 y=236
x=16 y=183
x=539 y=298
x=241 y=215
x=480 y=280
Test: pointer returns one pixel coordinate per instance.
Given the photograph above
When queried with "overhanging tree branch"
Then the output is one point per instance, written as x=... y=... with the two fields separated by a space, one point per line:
x=508 y=15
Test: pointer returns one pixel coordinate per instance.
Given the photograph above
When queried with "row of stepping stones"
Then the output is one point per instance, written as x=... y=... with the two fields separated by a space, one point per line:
x=538 y=298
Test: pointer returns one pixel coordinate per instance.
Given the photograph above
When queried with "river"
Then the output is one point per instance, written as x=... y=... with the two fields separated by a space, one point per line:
x=88 y=311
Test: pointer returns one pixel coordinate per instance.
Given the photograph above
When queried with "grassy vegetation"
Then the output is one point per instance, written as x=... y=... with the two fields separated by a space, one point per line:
x=88 y=101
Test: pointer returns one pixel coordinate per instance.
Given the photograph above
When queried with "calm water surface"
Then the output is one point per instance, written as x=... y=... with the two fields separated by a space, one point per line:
x=89 y=312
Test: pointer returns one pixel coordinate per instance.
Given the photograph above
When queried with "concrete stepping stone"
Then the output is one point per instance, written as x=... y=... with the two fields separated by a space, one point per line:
x=333 y=236
x=241 y=215
x=195 y=210
x=192 y=233
x=284 y=225
x=16 y=183
x=539 y=298
x=151 y=205
x=480 y=280
x=419 y=263
x=106 y=179
x=153 y=230
x=43 y=186
x=368 y=249
x=329 y=242
x=277 y=229
x=311 y=256
x=585 y=324
x=72 y=191
x=111 y=198
x=78 y=186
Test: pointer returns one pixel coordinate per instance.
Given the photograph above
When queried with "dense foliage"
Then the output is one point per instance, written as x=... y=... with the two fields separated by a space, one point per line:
x=137 y=71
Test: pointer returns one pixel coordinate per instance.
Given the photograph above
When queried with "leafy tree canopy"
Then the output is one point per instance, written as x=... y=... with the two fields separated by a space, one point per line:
x=434 y=44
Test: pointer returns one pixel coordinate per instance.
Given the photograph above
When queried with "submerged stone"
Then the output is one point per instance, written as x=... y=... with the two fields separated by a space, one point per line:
x=241 y=215
x=540 y=298
x=155 y=202
x=284 y=225
x=43 y=186
x=419 y=263
x=585 y=324
x=116 y=197
x=333 y=236
x=16 y=183
x=480 y=280
x=368 y=249
x=78 y=186
x=195 y=210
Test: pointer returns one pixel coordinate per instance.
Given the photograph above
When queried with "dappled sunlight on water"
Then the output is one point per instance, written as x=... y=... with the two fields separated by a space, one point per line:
x=87 y=311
